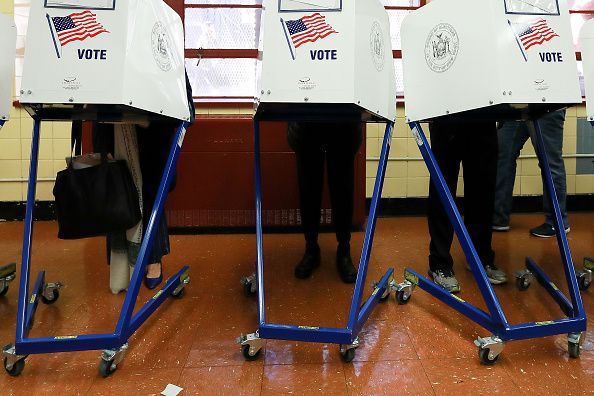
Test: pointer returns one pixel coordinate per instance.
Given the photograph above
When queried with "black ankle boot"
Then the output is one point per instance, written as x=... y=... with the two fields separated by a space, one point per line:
x=346 y=269
x=309 y=262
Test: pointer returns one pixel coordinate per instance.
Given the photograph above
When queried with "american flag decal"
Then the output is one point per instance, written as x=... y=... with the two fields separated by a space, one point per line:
x=77 y=26
x=308 y=29
x=535 y=33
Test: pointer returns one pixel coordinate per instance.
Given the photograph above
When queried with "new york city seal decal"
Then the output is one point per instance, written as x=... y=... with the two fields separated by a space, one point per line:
x=160 y=45
x=441 y=47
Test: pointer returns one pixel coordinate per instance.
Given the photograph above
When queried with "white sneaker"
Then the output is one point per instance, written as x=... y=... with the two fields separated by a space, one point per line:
x=446 y=279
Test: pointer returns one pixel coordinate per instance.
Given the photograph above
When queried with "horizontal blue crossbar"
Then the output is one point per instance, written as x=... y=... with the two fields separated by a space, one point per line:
x=305 y=333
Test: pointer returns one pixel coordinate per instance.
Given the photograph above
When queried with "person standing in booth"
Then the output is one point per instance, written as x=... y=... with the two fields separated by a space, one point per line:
x=512 y=137
x=335 y=144
x=474 y=144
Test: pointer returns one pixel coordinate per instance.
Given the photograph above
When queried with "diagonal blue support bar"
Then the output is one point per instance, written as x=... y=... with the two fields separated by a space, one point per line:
x=21 y=326
x=154 y=303
x=33 y=301
x=2 y=123
x=151 y=229
x=259 y=237
x=574 y=291
x=550 y=287
x=455 y=302
x=370 y=228
x=372 y=301
x=456 y=219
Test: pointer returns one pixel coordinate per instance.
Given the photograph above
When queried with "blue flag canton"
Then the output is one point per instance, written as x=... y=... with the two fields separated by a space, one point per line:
x=296 y=26
x=63 y=23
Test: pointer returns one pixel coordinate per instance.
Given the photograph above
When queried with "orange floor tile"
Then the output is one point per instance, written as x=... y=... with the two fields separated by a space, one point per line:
x=420 y=348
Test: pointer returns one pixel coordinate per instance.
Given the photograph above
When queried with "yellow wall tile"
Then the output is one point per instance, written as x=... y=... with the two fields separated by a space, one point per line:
x=395 y=187
x=9 y=169
x=10 y=191
x=529 y=167
x=372 y=148
x=11 y=130
x=417 y=169
x=584 y=184
x=417 y=187
x=531 y=185
x=10 y=149
x=570 y=184
x=397 y=169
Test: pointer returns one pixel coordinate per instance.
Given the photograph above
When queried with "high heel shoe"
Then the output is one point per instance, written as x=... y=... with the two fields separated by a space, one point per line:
x=151 y=283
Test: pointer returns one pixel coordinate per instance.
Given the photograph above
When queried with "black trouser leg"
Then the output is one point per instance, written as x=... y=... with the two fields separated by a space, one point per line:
x=310 y=175
x=341 y=174
x=441 y=231
x=480 y=174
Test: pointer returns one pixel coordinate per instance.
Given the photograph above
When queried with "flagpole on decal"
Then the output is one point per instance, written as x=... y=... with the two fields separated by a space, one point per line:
x=287 y=37
x=52 y=32
x=517 y=40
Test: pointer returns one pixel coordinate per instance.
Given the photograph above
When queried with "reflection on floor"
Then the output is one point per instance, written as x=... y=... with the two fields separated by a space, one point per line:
x=420 y=348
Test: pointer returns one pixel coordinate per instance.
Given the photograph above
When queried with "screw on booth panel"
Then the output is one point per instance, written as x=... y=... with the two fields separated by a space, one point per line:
x=71 y=100
x=544 y=99
x=306 y=99
x=130 y=103
x=22 y=91
x=490 y=102
x=268 y=92
x=29 y=92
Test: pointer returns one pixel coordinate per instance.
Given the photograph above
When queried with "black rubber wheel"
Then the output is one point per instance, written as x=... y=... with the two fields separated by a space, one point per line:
x=574 y=350
x=245 y=351
x=401 y=299
x=179 y=294
x=582 y=283
x=348 y=355
x=484 y=357
x=247 y=290
x=53 y=299
x=16 y=369
x=3 y=291
x=105 y=368
x=522 y=283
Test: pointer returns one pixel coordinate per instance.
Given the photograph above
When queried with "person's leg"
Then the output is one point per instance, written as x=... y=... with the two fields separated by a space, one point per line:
x=341 y=148
x=480 y=174
x=310 y=176
x=551 y=126
x=441 y=231
x=154 y=144
x=511 y=138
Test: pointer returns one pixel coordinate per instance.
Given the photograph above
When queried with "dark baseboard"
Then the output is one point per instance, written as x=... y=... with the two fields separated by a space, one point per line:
x=15 y=211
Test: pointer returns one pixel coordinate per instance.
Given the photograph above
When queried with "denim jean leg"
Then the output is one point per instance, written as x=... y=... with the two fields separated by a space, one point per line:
x=551 y=127
x=511 y=138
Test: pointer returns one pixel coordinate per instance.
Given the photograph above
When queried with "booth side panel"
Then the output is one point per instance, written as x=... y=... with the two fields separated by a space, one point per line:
x=7 y=55
x=587 y=46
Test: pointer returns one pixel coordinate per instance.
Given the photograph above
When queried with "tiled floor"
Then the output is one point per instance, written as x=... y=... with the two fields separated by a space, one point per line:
x=420 y=348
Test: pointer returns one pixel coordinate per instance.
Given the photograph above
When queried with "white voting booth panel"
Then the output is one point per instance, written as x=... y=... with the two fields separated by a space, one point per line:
x=587 y=45
x=327 y=52
x=466 y=54
x=103 y=52
x=7 y=53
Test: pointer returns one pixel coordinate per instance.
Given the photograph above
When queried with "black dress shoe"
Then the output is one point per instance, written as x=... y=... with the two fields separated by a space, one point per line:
x=346 y=269
x=307 y=265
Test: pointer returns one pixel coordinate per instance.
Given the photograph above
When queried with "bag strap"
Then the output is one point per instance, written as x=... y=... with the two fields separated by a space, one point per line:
x=76 y=138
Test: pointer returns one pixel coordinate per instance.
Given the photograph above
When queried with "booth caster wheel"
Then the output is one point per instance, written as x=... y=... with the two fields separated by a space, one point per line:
x=110 y=358
x=249 y=354
x=584 y=279
x=16 y=369
x=178 y=294
x=250 y=287
x=489 y=349
x=523 y=279
x=13 y=364
x=347 y=352
x=487 y=358
x=251 y=345
x=50 y=293
x=4 y=289
x=403 y=292
x=574 y=344
x=106 y=367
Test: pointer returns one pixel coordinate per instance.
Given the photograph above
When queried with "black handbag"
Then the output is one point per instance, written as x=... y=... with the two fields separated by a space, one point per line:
x=96 y=200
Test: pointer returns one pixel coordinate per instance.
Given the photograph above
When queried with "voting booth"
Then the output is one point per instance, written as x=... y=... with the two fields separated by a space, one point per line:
x=587 y=49
x=493 y=60
x=326 y=61
x=7 y=58
x=504 y=58
x=105 y=61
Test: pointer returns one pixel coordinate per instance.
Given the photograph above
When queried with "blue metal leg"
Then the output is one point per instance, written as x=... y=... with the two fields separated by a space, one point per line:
x=147 y=242
x=576 y=299
x=456 y=219
x=21 y=327
x=370 y=229
x=550 y=287
x=2 y=123
x=33 y=301
x=259 y=236
x=373 y=300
